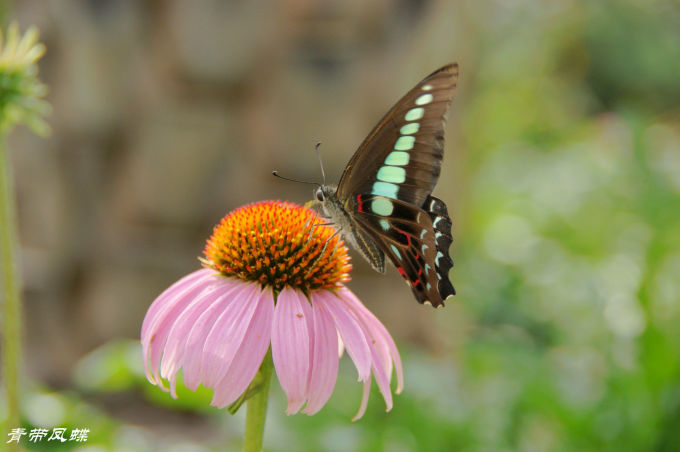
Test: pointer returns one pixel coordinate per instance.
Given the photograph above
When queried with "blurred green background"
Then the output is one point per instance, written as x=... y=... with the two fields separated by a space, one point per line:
x=561 y=172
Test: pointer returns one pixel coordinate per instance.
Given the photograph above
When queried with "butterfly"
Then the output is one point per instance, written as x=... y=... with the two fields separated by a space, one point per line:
x=383 y=204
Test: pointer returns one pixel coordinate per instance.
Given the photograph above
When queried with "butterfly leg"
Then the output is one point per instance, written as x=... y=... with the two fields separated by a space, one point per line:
x=313 y=226
x=323 y=250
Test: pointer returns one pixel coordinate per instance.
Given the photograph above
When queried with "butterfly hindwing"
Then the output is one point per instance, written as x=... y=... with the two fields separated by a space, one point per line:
x=416 y=247
x=441 y=225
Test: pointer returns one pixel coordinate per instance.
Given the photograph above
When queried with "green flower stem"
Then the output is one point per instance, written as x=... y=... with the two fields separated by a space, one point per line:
x=257 y=408
x=11 y=347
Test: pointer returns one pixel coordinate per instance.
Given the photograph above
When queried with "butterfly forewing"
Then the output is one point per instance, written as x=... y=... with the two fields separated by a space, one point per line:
x=401 y=157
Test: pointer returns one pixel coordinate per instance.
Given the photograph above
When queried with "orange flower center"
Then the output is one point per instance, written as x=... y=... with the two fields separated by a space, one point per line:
x=278 y=244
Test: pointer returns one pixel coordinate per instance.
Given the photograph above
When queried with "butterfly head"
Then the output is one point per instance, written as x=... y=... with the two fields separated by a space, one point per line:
x=319 y=194
x=326 y=202
x=325 y=198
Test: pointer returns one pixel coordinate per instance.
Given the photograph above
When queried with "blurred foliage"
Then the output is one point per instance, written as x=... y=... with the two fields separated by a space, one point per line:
x=20 y=89
x=567 y=260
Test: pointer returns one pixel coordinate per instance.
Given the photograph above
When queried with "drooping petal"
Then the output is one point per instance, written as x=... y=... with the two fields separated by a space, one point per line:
x=175 y=347
x=227 y=334
x=195 y=343
x=381 y=377
x=381 y=363
x=376 y=327
x=325 y=357
x=351 y=334
x=250 y=354
x=169 y=305
x=160 y=304
x=291 y=346
x=158 y=311
x=364 y=401
x=341 y=345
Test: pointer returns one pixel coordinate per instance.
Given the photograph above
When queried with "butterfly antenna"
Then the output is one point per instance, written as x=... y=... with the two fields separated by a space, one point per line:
x=318 y=154
x=276 y=174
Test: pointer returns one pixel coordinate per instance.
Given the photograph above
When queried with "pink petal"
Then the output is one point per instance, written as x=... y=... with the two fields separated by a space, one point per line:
x=175 y=347
x=200 y=330
x=381 y=364
x=378 y=329
x=341 y=345
x=381 y=378
x=351 y=333
x=249 y=356
x=364 y=401
x=168 y=306
x=158 y=312
x=227 y=334
x=325 y=357
x=160 y=304
x=291 y=346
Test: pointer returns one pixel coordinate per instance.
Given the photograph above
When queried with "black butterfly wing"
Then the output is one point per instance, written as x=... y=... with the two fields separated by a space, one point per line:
x=415 y=239
x=401 y=157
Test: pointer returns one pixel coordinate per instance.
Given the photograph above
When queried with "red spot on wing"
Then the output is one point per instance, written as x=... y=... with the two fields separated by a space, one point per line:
x=360 y=207
x=402 y=272
x=418 y=281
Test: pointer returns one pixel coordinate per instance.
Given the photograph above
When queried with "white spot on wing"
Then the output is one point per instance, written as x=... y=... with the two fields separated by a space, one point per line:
x=424 y=99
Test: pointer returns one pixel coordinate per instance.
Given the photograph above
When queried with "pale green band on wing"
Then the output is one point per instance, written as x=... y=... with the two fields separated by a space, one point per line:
x=427 y=87
x=398 y=158
x=385 y=189
x=382 y=206
x=393 y=174
x=395 y=251
x=414 y=114
x=405 y=143
x=410 y=128
x=384 y=224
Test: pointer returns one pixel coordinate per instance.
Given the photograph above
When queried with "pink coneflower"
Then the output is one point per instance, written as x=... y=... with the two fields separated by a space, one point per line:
x=272 y=276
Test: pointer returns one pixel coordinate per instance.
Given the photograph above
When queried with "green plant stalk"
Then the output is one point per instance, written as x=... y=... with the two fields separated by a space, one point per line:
x=256 y=412
x=11 y=327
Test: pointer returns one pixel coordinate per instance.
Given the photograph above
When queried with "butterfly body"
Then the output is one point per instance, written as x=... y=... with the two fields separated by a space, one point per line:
x=352 y=231
x=383 y=204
